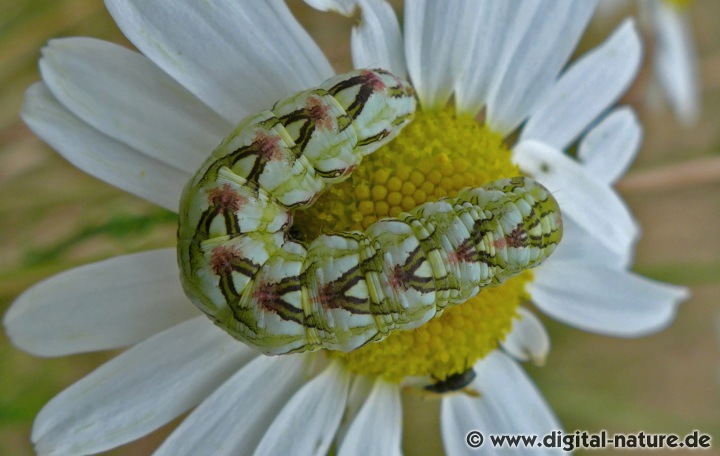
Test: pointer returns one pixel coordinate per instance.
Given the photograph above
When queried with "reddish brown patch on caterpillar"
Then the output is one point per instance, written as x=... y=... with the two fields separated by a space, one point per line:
x=264 y=294
x=517 y=238
x=268 y=146
x=268 y=297
x=319 y=113
x=226 y=198
x=399 y=278
x=371 y=79
x=223 y=259
x=328 y=297
x=464 y=253
x=499 y=243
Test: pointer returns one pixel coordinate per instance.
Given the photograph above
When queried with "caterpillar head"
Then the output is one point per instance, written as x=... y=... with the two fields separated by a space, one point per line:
x=528 y=218
x=534 y=229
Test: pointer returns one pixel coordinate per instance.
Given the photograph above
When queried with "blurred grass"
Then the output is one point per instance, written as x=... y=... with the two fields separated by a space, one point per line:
x=53 y=217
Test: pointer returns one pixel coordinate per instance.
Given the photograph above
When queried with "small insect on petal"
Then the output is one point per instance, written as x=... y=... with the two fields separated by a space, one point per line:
x=453 y=382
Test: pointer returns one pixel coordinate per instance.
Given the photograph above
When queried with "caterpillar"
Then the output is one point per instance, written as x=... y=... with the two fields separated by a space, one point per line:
x=242 y=267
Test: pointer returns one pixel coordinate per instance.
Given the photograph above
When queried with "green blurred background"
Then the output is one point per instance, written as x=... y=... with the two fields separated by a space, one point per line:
x=54 y=217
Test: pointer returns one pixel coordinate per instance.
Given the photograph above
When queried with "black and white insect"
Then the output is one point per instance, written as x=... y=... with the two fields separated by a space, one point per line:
x=452 y=383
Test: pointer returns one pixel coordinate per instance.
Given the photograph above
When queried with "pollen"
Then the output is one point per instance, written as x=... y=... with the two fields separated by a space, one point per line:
x=435 y=156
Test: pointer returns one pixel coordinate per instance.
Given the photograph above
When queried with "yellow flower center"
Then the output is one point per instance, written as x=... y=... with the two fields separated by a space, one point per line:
x=435 y=156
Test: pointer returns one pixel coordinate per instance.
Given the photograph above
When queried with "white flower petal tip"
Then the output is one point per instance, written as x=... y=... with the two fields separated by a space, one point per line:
x=509 y=402
x=377 y=40
x=110 y=304
x=528 y=340
x=676 y=61
x=590 y=202
x=377 y=428
x=125 y=96
x=586 y=89
x=605 y=300
x=140 y=390
x=118 y=164
x=609 y=148
x=342 y=7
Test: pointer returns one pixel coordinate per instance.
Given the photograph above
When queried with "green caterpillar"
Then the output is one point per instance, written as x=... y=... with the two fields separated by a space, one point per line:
x=240 y=265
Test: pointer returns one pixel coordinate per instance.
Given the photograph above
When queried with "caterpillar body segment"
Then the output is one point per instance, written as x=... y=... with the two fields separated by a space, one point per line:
x=240 y=265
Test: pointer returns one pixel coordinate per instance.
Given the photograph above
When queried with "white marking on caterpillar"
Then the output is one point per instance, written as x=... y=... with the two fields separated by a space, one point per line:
x=241 y=267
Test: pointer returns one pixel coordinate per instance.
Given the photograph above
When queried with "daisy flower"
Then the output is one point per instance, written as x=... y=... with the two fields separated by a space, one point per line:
x=146 y=122
x=674 y=56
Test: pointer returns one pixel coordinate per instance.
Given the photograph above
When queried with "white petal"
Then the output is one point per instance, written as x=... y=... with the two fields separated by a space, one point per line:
x=436 y=37
x=100 y=155
x=124 y=95
x=377 y=41
x=377 y=427
x=592 y=204
x=494 y=22
x=591 y=85
x=528 y=340
x=234 y=418
x=359 y=391
x=579 y=244
x=610 y=147
x=675 y=60
x=110 y=304
x=238 y=57
x=545 y=44
x=140 y=390
x=308 y=422
x=509 y=403
x=603 y=299
x=344 y=7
